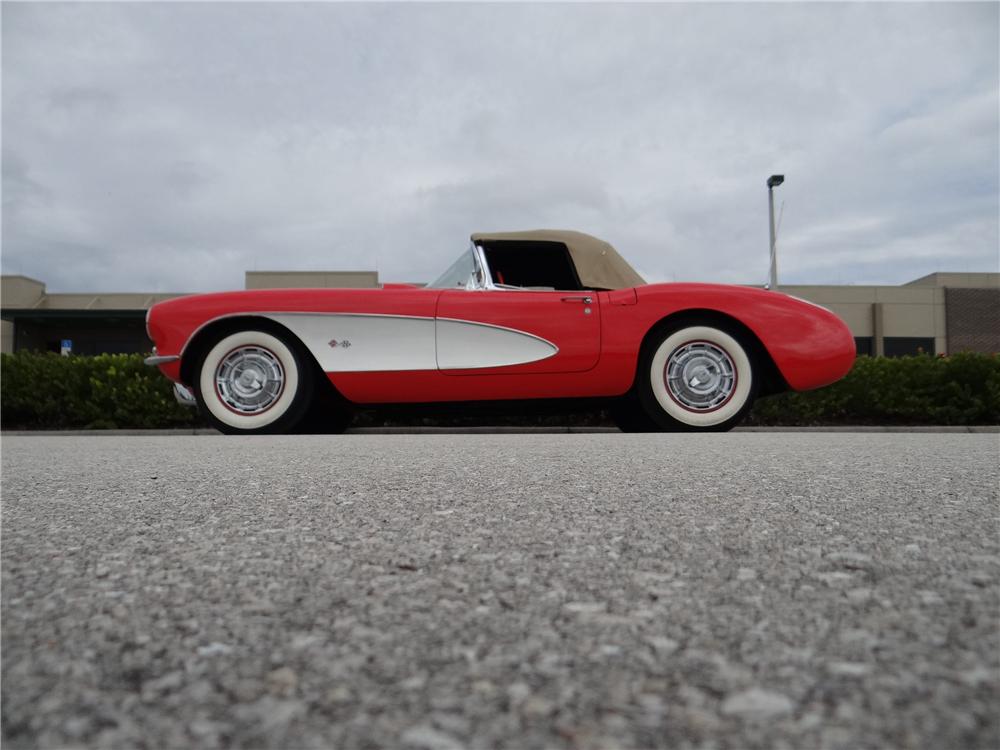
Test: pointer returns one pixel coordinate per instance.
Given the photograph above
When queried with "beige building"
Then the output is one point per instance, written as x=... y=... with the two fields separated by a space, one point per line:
x=95 y=323
x=311 y=279
x=940 y=313
x=34 y=319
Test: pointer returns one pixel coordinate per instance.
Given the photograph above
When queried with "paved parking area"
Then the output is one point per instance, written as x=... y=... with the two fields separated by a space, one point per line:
x=517 y=591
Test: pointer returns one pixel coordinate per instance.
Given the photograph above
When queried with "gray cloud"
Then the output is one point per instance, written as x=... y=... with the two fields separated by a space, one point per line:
x=173 y=146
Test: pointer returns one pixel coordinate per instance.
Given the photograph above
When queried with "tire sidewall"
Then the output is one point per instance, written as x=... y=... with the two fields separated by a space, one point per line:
x=283 y=414
x=666 y=410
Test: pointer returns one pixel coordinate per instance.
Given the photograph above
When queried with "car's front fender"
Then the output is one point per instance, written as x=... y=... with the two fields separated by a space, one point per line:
x=810 y=346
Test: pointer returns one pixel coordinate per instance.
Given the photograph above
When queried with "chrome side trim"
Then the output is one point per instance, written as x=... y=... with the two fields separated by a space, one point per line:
x=184 y=396
x=158 y=359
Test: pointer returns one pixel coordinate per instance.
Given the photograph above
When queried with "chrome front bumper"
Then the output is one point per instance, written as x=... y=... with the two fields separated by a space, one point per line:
x=157 y=359
x=181 y=393
x=184 y=396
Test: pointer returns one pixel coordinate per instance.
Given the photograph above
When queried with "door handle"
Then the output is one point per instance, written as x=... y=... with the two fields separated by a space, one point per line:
x=583 y=300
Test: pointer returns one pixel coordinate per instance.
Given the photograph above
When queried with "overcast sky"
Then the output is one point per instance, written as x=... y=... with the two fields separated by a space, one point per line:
x=171 y=147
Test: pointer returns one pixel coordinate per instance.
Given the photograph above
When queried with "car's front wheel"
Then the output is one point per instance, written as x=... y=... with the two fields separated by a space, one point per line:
x=253 y=381
x=697 y=376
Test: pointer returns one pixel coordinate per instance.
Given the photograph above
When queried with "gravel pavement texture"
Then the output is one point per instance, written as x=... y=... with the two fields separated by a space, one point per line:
x=434 y=592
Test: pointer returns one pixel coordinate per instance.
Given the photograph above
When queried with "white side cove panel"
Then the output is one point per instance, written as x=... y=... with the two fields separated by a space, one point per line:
x=462 y=345
x=347 y=342
x=364 y=343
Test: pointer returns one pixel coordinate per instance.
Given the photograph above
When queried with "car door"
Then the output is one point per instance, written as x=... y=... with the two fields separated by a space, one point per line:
x=493 y=331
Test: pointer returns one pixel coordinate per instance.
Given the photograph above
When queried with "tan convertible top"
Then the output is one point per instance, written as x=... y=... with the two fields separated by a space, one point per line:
x=598 y=264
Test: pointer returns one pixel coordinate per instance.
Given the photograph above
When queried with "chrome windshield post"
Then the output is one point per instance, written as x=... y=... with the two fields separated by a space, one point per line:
x=482 y=269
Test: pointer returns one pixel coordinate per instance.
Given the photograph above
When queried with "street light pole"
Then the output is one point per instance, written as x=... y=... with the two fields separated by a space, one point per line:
x=772 y=182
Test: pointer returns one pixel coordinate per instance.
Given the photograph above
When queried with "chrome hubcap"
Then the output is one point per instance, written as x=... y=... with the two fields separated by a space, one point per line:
x=249 y=380
x=700 y=376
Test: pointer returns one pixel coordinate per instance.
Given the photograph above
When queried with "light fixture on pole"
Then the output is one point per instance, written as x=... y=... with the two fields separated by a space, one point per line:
x=772 y=182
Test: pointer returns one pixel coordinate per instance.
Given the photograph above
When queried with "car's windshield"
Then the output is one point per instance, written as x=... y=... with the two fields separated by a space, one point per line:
x=464 y=273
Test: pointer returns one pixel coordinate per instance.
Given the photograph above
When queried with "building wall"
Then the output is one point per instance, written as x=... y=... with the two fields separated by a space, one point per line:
x=311 y=279
x=973 y=319
x=34 y=320
x=90 y=335
x=20 y=291
x=6 y=337
x=896 y=319
x=977 y=280
x=107 y=301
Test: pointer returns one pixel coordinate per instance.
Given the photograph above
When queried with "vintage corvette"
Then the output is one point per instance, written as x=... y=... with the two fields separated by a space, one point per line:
x=523 y=316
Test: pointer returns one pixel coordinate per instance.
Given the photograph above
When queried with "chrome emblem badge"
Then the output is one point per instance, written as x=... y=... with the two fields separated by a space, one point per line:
x=343 y=344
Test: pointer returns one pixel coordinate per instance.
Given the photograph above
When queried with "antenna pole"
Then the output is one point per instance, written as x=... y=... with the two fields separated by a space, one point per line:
x=772 y=182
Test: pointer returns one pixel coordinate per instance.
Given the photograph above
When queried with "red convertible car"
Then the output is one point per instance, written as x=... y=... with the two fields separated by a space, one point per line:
x=520 y=316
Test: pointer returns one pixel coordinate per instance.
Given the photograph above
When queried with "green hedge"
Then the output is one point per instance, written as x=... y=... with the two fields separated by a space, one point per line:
x=47 y=391
x=51 y=392
x=963 y=389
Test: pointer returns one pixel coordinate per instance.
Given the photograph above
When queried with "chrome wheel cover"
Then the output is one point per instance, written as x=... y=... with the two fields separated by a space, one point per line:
x=249 y=380
x=700 y=376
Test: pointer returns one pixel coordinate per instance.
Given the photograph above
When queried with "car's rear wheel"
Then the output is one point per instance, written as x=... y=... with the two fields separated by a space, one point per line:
x=697 y=376
x=253 y=381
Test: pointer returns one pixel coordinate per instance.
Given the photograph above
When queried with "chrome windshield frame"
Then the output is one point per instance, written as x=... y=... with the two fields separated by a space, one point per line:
x=477 y=278
x=479 y=254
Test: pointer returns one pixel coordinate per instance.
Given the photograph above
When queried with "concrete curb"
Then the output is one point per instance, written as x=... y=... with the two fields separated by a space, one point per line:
x=976 y=429
x=116 y=433
x=973 y=429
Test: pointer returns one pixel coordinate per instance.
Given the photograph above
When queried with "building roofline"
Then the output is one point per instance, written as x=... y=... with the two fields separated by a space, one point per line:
x=22 y=276
x=941 y=278
x=313 y=273
x=10 y=313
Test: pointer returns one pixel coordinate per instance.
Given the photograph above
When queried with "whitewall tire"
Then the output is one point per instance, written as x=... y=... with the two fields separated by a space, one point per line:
x=697 y=377
x=253 y=381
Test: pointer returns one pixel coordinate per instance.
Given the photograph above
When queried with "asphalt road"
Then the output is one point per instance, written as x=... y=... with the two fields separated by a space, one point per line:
x=515 y=591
